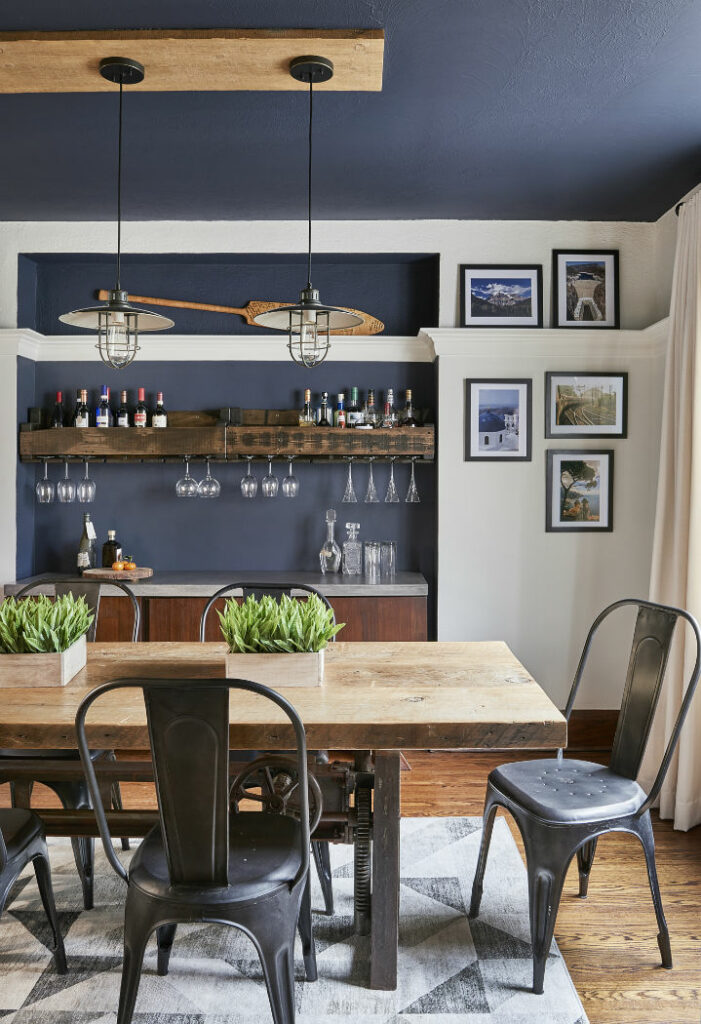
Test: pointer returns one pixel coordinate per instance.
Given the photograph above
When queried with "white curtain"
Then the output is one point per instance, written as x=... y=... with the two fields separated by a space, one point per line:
x=676 y=560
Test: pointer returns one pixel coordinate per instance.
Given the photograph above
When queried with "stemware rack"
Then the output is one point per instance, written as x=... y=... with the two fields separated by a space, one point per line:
x=252 y=433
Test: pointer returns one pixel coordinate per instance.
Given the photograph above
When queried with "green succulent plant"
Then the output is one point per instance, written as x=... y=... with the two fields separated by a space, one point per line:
x=269 y=626
x=39 y=625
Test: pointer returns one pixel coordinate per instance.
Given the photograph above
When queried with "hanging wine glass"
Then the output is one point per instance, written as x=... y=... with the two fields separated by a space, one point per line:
x=290 y=485
x=86 y=488
x=412 y=495
x=392 y=495
x=209 y=487
x=186 y=487
x=249 y=484
x=349 y=497
x=269 y=483
x=44 y=488
x=65 y=488
x=371 y=493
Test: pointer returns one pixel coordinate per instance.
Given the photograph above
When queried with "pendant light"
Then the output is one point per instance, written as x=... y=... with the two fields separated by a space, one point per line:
x=117 y=322
x=309 y=321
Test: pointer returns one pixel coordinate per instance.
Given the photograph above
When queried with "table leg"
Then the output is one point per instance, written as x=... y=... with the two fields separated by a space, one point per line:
x=384 y=927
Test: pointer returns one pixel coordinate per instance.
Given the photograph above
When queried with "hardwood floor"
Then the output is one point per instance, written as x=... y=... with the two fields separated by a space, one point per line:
x=608 y=940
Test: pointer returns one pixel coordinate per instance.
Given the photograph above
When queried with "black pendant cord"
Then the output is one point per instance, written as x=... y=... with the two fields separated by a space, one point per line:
x=309 y=185
x=119 y=191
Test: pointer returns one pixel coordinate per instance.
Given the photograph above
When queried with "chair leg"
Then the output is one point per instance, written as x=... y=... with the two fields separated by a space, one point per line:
x=546 y=878
x=116 y=797
x=322 y=861
x=490 y=810
x=84 y=855
x=647 y=838
x=137 y=930
x=165 y=935
x=277 y=958
x=585 y=859
x=42 y=870
x=306 y=932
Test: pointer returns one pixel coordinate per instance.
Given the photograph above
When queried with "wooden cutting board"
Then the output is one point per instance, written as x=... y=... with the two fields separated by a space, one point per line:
x=140 y=573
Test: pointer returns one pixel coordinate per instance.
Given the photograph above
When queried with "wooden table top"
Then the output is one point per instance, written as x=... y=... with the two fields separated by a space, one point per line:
x=374 y=696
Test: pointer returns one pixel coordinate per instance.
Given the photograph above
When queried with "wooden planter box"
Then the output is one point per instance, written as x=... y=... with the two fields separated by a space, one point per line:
x=28 y=670
x=277 y=670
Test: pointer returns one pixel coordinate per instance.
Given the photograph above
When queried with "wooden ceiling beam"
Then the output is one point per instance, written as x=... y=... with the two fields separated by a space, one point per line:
x=202 y=60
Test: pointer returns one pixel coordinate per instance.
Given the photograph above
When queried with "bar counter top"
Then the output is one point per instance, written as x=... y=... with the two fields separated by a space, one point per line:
x=205 y=583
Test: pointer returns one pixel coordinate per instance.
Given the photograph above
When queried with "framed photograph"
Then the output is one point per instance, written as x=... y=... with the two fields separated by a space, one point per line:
x=586 y=404
x=579 y=491
x=585 y=288
x=501 y=295
x=498 y=420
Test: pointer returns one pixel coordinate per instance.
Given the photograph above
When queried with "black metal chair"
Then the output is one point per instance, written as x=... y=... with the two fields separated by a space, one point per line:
x=72 y=794
x=320 y=848
x=562 y=806
x=204 y=863
x=22 y=840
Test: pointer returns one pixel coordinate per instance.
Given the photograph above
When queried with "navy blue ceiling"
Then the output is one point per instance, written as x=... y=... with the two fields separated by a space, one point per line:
x=491 y=109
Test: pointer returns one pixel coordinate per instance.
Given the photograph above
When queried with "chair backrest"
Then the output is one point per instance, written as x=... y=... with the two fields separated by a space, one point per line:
x=652 y=639
x=90 y=590
x=188 y=724
x=258 y=590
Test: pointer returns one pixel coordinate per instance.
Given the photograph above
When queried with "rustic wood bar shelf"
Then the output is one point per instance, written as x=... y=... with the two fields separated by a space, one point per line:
x=225 y=443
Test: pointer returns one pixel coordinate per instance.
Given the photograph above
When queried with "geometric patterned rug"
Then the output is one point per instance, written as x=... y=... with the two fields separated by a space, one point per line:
x=451 y=970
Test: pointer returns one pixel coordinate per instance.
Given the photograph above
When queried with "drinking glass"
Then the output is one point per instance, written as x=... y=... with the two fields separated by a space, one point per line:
x=392 y=495
x=269 y=483
x=86 y=488
x=349 y=497
x=249 y=484
x=412 y=495
x=209 y=487
x=371 y=553
x=371 y=493
x=44 y=488
x=186 y=487
x=290 y=485
x=388 y=558
x=65 y=489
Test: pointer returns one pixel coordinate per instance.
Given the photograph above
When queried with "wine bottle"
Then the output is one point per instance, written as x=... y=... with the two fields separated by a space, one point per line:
x=81 y=416
x=57 y=414
x=102 y=415
x=324 y=417
x=141 y=413
x=160 y=416
x=111 y=550
x=86 y=548
x=407 y=418
x=354 y=412
x=306 y=416
x=123 y=411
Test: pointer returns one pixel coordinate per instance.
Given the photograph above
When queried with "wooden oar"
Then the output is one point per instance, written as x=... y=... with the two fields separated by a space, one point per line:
x=370 y=325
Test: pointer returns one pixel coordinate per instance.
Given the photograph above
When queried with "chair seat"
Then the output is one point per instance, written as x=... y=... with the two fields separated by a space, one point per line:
x=19 y=828
x=264 y=854
x=568 y=791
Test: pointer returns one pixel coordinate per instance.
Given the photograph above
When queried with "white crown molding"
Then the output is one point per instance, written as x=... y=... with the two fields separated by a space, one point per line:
x=165 y=347
x=447 y=342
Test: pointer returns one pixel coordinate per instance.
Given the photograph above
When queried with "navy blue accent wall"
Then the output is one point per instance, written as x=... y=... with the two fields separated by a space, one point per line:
x=26 y=474
x=233 y=533
x=400 y=289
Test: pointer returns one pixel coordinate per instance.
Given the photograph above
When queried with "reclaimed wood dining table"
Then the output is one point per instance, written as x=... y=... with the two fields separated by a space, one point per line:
x=377 y=699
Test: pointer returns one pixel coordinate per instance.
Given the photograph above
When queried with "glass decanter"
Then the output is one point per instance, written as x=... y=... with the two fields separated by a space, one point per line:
x=352 y=552
x=330 y=554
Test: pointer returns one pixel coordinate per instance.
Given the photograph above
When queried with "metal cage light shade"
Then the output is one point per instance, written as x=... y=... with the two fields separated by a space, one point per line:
x=118 y=324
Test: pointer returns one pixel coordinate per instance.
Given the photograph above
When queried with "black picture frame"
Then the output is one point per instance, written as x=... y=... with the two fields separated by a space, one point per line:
x=552 y=430
x=573 y=455
x=476 y=382
x=559 y=321
x=509 y=269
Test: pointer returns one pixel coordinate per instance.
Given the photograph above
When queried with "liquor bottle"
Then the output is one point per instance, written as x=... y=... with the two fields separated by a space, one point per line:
x=111 y=550
x=323 y=420
x=371 y=416
x=110 y=413
x=141 y=413
x=160 y=416
x=330 y=554
x=389 y=416
x=81 y=416
x=57 y=414
x=339 y=416
x=352 y=559
x=123 y=411
x=407 y=418
x=86 y=549
x=306 y=416
x=354 y=412
x=102 y=415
